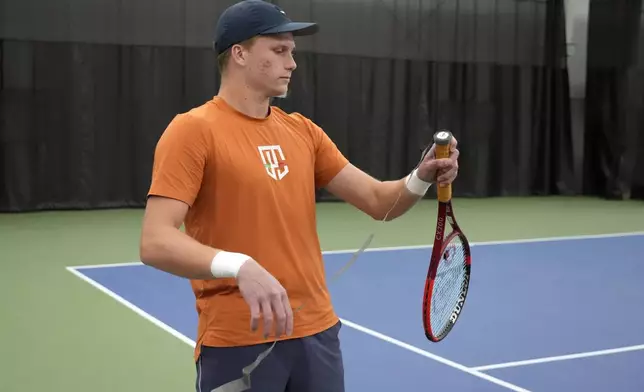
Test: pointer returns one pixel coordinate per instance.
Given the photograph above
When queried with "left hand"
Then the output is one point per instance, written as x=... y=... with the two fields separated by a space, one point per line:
x=441 y=171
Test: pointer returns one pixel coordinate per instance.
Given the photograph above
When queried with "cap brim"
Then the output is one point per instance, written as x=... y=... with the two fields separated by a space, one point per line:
x=296 y=28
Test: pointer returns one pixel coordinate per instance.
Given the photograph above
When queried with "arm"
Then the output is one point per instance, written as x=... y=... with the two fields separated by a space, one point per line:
x=179 y=162
x=376 y=198
x=165 y=247
x=373 y=197
x=391 y=199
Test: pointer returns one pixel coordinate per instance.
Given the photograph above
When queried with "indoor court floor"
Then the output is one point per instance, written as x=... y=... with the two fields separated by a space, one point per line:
x=556 y=301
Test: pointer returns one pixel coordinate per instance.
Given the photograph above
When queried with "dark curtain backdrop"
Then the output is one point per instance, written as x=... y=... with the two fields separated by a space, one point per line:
x=88 y=87
x=614 y=140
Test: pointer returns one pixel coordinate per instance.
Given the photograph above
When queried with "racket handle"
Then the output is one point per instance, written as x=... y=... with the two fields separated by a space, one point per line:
x=443 y=140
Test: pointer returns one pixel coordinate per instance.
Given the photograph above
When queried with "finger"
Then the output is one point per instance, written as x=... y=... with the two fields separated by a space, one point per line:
x=448 y=176
x=280 y=314
x=289 y=314
x=267 y=315
x=254 y=314
x=454 y=154
x=453 y=143
x=443 y=164
x=431 y=154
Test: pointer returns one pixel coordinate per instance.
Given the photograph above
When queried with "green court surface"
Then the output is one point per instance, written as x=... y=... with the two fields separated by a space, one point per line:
x=61 y=334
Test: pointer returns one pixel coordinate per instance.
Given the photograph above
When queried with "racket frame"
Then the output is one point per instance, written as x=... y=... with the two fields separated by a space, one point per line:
x=445 y=217
x=441 y=241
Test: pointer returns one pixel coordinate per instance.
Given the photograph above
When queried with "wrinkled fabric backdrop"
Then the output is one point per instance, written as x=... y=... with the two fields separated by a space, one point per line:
x=87 y=88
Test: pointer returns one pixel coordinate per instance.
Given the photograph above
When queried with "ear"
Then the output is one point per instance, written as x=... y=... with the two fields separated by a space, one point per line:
x=239 y=54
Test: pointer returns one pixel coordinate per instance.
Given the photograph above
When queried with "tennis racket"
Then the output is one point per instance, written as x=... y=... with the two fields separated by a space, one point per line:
x=448 y=277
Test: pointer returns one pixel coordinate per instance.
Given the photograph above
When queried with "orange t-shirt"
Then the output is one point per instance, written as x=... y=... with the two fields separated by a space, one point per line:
x=250 y=184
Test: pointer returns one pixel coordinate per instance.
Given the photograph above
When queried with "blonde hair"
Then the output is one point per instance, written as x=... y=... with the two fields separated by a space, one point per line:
x=223 y=57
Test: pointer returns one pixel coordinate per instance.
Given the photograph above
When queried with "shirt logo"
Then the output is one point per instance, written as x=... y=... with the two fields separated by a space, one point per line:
x=274 y=161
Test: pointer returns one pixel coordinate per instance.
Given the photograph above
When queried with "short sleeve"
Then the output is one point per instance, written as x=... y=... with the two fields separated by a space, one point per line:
x=180 y=159
x=329 y=160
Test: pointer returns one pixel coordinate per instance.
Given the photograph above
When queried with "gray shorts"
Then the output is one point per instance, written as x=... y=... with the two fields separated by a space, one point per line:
x=310 y=364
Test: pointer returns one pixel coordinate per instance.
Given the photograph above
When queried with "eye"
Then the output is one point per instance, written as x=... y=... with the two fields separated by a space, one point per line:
x=284 y=50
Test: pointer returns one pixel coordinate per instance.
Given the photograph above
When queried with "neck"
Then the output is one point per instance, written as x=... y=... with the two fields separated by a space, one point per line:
x=241 y=97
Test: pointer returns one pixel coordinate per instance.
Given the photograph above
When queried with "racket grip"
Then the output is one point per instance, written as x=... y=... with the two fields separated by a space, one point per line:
x=442 y=140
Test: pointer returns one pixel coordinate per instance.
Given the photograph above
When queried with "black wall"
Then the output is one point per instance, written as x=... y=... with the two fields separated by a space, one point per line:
x=87 y=87
x=614 y=147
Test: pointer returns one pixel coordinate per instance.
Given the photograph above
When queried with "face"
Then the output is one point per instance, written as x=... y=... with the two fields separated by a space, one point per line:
x=267 y=64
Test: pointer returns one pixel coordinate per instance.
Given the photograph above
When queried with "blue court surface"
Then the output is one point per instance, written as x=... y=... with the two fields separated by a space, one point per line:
x=545 y=315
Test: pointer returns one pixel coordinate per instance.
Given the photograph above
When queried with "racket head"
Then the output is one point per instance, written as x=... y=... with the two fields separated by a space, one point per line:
x=448 y=278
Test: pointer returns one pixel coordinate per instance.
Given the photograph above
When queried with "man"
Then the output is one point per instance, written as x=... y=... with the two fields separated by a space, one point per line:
x=242 y=175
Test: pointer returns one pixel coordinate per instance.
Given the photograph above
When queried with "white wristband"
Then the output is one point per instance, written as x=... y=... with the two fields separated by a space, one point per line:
x=227 y=264
x=416 y=185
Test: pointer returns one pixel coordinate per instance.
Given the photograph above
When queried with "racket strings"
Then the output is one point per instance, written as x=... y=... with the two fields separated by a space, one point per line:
x=448 y=284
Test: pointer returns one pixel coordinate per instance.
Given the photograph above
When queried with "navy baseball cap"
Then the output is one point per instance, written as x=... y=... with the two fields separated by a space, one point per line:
x=250 y=18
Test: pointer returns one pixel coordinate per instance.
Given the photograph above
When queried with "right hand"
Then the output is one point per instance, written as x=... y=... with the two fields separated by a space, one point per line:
x=266 y=297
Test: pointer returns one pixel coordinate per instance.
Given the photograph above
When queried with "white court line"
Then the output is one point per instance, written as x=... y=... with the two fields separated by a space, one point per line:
x=412 y=247
x=477 y=371
x=133 y=307
x=559 y=358
x=348 y=323
x=435 y=357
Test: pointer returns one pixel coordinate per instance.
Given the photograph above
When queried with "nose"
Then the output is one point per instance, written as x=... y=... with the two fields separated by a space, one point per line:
x=291 y=64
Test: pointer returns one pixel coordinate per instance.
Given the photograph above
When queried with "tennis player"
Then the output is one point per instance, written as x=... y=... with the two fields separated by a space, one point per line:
x=241 y=175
